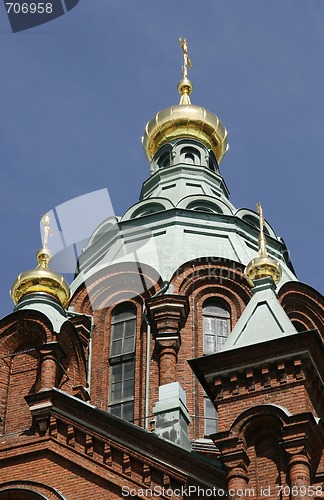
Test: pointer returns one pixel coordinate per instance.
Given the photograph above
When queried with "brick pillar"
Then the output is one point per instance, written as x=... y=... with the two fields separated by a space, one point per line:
x=168 y=356
x=50 y=355
x=236 y=460
x=167 y=314
x=40 y=403
x=303 y=442
x=299 y=476
x=237 y=480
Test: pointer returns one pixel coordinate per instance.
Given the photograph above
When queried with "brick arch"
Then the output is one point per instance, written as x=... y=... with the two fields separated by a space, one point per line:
x=221 y=278
x=80 y=300
x=249 y=418
x=303 y=304
x=74 y=361
x=260 y=429
x=199 y=280
x=23 y=329
x=20 y=332
x=20 y=494
x=258 y=421
x=210 y=270
x=28 y=490
x=114 y=284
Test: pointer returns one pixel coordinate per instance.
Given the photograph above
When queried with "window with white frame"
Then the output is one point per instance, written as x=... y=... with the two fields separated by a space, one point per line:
x=216 y=325
x=122 y=362
x=211 y=417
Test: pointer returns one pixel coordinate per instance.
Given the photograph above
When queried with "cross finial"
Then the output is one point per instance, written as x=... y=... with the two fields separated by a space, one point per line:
x=47 y=230
x=262 y=241
x=186 y=58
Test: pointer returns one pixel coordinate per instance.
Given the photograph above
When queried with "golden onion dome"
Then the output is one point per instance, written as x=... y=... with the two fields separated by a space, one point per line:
x=42 y=279
x=262 y=266
x=185 y=120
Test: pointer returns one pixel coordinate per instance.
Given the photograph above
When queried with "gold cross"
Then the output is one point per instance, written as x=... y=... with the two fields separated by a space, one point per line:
x=262 y=241
x=186 y=58
x=47 y=229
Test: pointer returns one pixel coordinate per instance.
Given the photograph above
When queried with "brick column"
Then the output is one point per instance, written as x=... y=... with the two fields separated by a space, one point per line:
x=236 y=460
x=299 y=476
x=303 y=443
x=237 y=481
x=40 y=403
x=50 y=355
x=168 y=356
x=167 y=314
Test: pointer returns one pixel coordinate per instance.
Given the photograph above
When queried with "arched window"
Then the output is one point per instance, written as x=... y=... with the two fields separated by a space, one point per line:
x=164 y=160
x=212 y=163
x=252 y=219
x=200 y=205
x=191 y=156
x=216 y=325
x=122 y=362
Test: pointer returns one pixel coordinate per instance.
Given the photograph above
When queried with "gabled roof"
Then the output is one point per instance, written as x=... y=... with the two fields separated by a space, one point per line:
x=263 y=319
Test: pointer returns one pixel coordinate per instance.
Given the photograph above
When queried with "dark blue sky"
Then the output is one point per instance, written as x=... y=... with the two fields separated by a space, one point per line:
x=76 y=94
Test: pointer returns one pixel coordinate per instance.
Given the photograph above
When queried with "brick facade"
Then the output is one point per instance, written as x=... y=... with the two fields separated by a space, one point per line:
x=267 y=405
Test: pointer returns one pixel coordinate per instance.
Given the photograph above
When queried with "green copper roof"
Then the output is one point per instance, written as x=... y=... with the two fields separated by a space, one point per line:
x=263 y=319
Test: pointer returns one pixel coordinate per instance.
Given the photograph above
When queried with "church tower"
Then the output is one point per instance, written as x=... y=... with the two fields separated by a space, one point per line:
x=165 y=282
x=185 y=353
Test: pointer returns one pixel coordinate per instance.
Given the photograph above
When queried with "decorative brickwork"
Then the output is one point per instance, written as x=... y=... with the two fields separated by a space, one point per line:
x=35 y=358
x=267 y=396
x=87 y=453
x=304 y=306
x=167 y=315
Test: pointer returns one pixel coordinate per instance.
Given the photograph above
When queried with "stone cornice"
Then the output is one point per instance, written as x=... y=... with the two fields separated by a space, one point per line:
x=100 y=437
x=233 y=364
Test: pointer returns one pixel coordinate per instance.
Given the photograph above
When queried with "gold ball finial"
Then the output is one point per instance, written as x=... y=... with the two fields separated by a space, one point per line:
x=185 y=88
x=42 y=279
x=262 y=266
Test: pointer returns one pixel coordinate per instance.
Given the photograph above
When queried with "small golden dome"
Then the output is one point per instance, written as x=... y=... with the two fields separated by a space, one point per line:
x=185 y=121
x=42 y=279
x=262 y=266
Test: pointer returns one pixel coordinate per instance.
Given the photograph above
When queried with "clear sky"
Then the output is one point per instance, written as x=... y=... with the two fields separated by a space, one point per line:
x=76 y=94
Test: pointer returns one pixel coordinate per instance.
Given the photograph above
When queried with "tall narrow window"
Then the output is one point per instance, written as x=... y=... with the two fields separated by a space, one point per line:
x=122 y=362
x=216 y=325
x=211 y=417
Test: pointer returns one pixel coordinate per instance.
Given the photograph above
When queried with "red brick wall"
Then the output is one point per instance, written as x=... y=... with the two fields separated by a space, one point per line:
x=72 y=481
x=22 y=380
x=197 y=280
